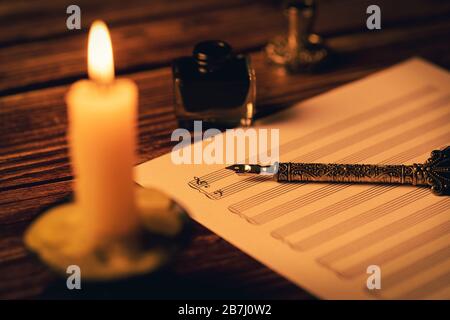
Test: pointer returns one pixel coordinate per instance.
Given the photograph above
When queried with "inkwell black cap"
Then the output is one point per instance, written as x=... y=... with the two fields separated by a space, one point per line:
x=212 y=54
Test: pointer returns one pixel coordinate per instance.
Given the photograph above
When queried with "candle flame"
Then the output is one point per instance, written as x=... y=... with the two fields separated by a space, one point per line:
x=100 y=55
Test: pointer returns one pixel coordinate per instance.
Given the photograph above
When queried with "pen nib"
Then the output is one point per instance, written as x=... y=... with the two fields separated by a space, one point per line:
x=245 y=168
x=234 y=167
x=254 y=168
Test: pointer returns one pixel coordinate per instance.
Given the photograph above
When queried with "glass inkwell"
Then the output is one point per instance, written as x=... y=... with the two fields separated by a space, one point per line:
x=214 y=85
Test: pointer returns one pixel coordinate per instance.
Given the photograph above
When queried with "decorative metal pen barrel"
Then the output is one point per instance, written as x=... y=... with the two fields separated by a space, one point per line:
x=434 y=173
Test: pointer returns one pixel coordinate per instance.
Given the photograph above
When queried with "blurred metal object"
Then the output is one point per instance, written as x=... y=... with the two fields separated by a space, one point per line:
x=300 y=50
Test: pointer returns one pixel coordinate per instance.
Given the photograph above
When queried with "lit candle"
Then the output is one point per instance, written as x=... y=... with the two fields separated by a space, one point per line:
x=102 y=116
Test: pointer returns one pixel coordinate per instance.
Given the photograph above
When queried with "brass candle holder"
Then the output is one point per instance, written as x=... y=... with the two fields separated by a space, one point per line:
x=58 y=239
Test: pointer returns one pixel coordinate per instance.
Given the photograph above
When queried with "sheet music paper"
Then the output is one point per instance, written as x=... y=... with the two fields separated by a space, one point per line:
x=324 y=236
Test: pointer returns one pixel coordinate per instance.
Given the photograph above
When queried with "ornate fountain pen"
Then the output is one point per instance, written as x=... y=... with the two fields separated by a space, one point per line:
x=434 y=173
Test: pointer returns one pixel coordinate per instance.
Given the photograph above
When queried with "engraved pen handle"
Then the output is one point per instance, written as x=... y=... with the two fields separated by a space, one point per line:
x=351 y=173
x=434 y=173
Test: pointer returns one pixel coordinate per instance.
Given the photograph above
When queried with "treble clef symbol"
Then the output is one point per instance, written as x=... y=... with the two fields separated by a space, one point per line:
x=201 y=183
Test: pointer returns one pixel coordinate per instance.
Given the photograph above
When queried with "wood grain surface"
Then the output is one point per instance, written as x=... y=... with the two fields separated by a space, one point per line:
x=40 y=58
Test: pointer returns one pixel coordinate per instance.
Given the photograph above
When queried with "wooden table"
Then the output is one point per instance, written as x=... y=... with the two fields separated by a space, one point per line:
x=40 y=58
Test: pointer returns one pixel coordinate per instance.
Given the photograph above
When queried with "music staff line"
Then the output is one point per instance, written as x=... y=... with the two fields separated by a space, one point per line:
x=413 y=268
x=385 y=232
x=359 y=220
x=396 y=251
x=424 y=291
x=428 y=288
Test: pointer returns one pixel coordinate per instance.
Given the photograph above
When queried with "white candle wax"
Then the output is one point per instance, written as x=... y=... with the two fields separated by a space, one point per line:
x=102 y=115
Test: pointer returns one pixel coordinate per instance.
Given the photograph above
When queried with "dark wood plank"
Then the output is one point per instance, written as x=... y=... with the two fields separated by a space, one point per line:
x=142 y=45
x=139 y=46
x=23 y=20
